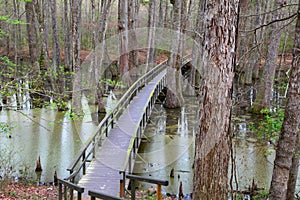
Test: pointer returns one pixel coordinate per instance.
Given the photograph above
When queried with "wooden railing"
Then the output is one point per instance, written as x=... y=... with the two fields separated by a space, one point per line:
x=66 y=192
x=127 y=166
x=94 y=195
x=87 y=153
x=134 y=179
x=136 y=139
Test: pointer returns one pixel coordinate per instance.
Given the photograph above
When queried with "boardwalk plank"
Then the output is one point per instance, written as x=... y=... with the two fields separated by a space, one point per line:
x=103 y=172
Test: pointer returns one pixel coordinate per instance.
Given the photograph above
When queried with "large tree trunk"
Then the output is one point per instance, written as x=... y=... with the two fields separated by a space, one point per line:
x=212 y=137
x=290 y=129
x=264 y=94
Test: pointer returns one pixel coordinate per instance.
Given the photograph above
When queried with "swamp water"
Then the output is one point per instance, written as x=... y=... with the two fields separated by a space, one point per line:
x=168 y=145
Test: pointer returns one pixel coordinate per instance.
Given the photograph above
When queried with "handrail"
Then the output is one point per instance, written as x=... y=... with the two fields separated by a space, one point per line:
x=71 y=186
x=100 y=195
x=108 y=121
x=185 y=60
x=106 y=125
x=158 y=183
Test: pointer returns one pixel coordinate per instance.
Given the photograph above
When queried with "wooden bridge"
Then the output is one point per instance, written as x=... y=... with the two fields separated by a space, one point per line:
x=112 y=147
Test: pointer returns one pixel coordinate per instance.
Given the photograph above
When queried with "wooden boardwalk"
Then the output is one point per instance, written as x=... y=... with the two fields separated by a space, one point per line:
x=102 y=175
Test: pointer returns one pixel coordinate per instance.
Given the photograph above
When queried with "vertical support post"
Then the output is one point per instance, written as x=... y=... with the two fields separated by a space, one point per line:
x=94 y=149
x=65 y=192
x=122 y=185
x=112 y=121
x=59 y=190
x=159 y=195
x=132 y=189
x=71 y=193
x=129 y=164
x=79 y=195
x=83 y=167
x=106 y=128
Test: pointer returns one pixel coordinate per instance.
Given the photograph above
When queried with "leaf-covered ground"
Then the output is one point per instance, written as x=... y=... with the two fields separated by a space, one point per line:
x=12 y=191
x=17 y=191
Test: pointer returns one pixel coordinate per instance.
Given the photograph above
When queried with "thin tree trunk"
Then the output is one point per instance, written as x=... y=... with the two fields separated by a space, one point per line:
x=123 y=46
x=132 y=20
x=105 y=12
x=56 y=59
x=174 y=98
x=197 y=49
x=76 y=24
x=31 y=32
x=59 y=79
x=212 y=137
x=287 y=144
x=151 y=35
x=264 y=94
x=66 y=35
x=166 y=17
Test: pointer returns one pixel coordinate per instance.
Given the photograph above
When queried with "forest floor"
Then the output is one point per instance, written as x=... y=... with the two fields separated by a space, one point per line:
x=27 y=190
x=14 y=191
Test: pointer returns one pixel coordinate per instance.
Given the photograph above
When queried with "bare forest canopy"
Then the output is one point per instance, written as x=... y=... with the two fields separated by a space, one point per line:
x=44 y=43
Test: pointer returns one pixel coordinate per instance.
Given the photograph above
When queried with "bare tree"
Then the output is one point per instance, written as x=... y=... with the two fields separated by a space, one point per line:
x=123 y=40
x=31 y=32
x=151 y=34
x=212 y=137
x=264 y=94
x=289 y=139
x=174 y=98
x=76 y=32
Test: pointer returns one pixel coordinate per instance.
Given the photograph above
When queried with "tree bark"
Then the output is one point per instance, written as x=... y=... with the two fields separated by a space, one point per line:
x=289 y=134
x=76 y=25
x=212 y=136
x=294 y=172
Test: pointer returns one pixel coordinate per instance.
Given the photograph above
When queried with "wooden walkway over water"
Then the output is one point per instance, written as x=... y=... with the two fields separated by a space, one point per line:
x=103 y=173
x=112 y=147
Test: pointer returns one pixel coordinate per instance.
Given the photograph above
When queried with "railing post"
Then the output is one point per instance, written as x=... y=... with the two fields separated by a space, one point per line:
x=106 y=128
x=122 y=184
x=94 y=149
x=83 y=160
x=79 y=196
x=129 y=164
x=159 y=195
x=59 y=190
x=112 y=120
x=132 y=189
x=65 y=192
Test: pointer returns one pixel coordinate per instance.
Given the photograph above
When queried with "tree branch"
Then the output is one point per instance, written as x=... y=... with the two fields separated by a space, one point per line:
x=274 y=21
